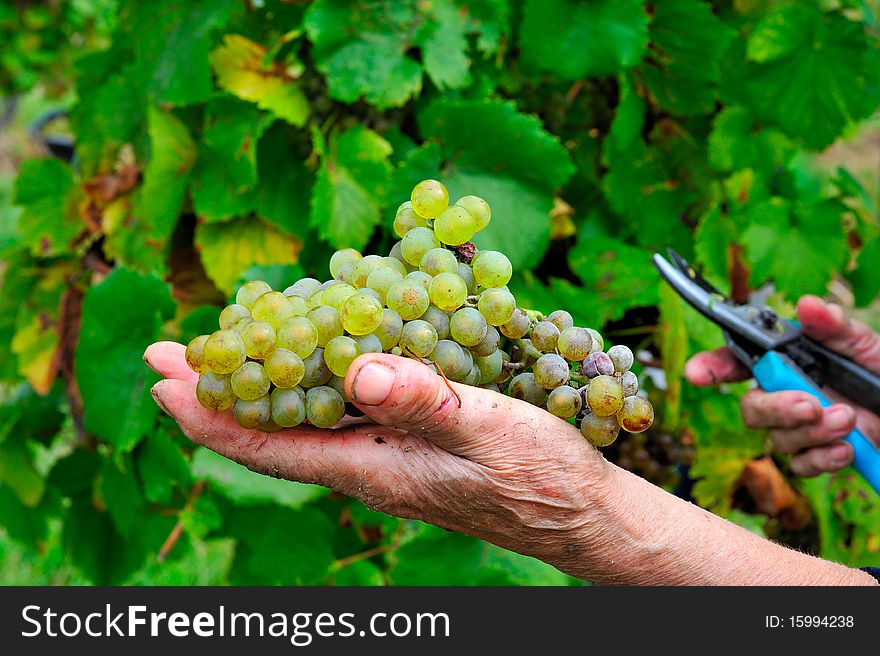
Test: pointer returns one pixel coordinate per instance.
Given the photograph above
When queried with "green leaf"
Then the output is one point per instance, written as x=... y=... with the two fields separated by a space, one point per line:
x=121 y=495
x=74 y=474
x=865 y=279
x=245 y=487
x=48 y=222
x=360 y=573
x=121 y=316
x=444 y=47
x=351 y=187
x=715 y=236
x=29 y=415
x=227 y=249
x=583 y=39
x=24 y=524
x=282 y=197
x=18 y=472
x=277 y=276
x=162 y=467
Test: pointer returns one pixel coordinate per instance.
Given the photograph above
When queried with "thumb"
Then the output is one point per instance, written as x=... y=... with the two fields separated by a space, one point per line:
x=827 y=323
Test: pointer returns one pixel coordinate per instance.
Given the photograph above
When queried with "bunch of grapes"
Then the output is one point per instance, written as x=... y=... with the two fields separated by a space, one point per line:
x=280 y=358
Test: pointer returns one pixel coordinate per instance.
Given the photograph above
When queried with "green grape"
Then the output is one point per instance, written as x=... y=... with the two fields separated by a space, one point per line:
x=250 y=414
x=454 y=226
x=372 y=293
x=488 y=344
x=388 y=331
x=636 y=415
x=517 y=326
x=420 y=277
x=250 y=381
x=438 y=260
x=316 y=372
x=599 y=431
x=337 y=295
x=505 y=372
x=361 y=314
x=338 y=383
x=300 y=305
x=395 y=265
x=364 y=267
x=467 y=274
x=574 y=344
x=598 y=342
x=214 y=391
x=468 y=364
x=406 y=219
x=396 y=254
x=473 y=376
x=316 y=300
x=561 y=319
x=605 y=396
x=621 y=357
x=544 y=336
x=551 y=371
x=497 y=305
x=429 y=198
x=416 y=243
x=250 y=292
x=369 y=343
x=341 y=257
x=327 y=322
x=298 y=335
x=339 y=353
x=284 y=368
x=478 y=209
x=564 y=401
x=234 y=317
x=489 y=365
x=437 y=318
x=630 y=383
x=224 y=351
x=450 y=357
x=524 y=387
x=492 y=269
x=491 y=386
x=346 y=273
x=468 y=327
x=418 y=338
x=195 y=354
x=304 y=288
x=381 y=280
x=408 y=298
x=259 y=339
x=447 y=291
x=288 y=406
x=325 y=407
x=273 y=308
x=327 y=284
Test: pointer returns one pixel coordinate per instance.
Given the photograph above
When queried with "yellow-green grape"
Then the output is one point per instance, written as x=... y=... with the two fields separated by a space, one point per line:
x=298 y=335
x=325 y=407
x=505 y=372
x=361 y=314
x=408 y=298
x=517 y=326
x=636 y=415
x=488 y=344
x=224 y=351
x=250 y=381
x=369 y=343
x=364 y=267
x=316 y=300
x=396 y=254
x=338 y=383
x=250 y=292
x=429 y=198
x=599 y=431
x=259 y=339
x=336 y=295
x=284 y=368
x=478 y=209
x=544 y=336
x=346 y=273
x=490 y=366
x=454 y=226
x=341 y=257
x=304 y=288
x=372 y=293
x=395 y=265
x=195 y=354
x=250 y=414
x=420 y=277
x=497 y=305
x=605 y=395
x=406 y=219
x=299 y=305
x=598 y=341
x=381 y=280
x=418 y=338
x=437 y=318
x=622 y=358
x=473 y=376
x=564 y=401
x=450 y=357
x=273 y=308
x=550 y=371
x=438 y=260
x=467 y=365
x=316 y=370
x=524 y=387
x=330 y=283
x=492 y=269
x=630 y=383
x=339 y=353
x=467 y=326
x=574 y=344
x=214 y=391
x=327 y=322
x=389 y=330
x=467 y=274
x=288 y=406
x=447 y=291
x=561 y=319
x=416 y=243
x=234 y=317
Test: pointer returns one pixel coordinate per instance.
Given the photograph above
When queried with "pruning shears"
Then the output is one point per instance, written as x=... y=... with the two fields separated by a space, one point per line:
x=779 y=355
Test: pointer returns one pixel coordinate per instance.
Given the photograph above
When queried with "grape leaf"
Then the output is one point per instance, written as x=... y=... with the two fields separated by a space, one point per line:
x=865 y=279
x=26 y=525
x=121 y=495
x=30 y=415
x=350 y=188
x=18 y=472
x=74 y=474
x=713 y=238
x=282 y=197
x=161 y=465
x=48 y=222
x=444 y=46
x=418 y=164
x=583 y=39
x=121 y=316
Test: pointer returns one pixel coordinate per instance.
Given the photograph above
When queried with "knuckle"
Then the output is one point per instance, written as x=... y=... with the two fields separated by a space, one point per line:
x=750 y=408
x=782 y=441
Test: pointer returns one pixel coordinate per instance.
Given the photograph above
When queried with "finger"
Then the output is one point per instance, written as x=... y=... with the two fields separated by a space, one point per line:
x=836 y=422
x=821 y=459
x=713 y=367
x=168 y=360
x=779 y=409
x=828 y=323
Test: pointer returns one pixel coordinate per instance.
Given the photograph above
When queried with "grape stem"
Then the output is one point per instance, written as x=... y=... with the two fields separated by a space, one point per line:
x=513 y=366
x=426 y=362
x=578 y=378
x=527 y=348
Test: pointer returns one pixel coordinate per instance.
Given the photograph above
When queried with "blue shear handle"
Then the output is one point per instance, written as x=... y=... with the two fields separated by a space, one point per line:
x=777 y=373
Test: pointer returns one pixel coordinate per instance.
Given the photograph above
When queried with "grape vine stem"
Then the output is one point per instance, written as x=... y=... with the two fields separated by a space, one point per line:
x=177 y=531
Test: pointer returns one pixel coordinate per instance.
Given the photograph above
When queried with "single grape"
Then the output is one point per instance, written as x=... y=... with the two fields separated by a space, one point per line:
x=636 y=415
x=438 y=260
x=497 y=305
x=418 y=338
x=564 y=401
x=284 y=368
x=598 y=364
x=447 y=291
x=346 y=273
x=369 y=343
x=550 y=371
x=517 y=326
x=598 y=342
x=599 y=431
x=429 y=198
x=505 y=372
x=478 y=209
x=250 y=292
x=561 y=319
x=395 y=265
x=339 y=353
x=488 y=344
x=468 y=327
x=330 y=283
x=234 y=317
x=473 y=376
x=364 y=267
x=525 y=387
x=316 y=300
x=270 y=426
x=250 y=414
x=324 y=406
x=492 y=269
x=420 y=277
x=408 y=298
x=489 y=366
x=298 y=335
x=416 y=243
x=273 y=308
x=341 y=257
x=214 y=391
x=259 y=339
x=288 y=406
x=327 y=323
x=316 y=372
x=382 y=279
x=195 y=354
x=454 y=226
x=304 y=288
x=337 y=295
x=361 y=314
x=437 y=318
x=467 y=274
x=622 y=357
x=338 y=383
x=388 y=331
x=250 y=381
x=299 y=305
x=224 y=351
x=630 y=383
x=372 y=293
x=605 y=395
x=397 y=254
x=574 y=344
x=450 y=357
x=545 y=336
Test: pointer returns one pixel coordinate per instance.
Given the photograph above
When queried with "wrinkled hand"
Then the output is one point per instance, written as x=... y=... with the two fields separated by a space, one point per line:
x=496 y=468
x=798 y=424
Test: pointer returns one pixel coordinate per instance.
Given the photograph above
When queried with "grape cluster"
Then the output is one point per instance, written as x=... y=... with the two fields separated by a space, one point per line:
x=280 y=358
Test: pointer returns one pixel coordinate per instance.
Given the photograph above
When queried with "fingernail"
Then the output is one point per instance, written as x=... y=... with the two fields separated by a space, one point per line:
x=804 y=410
x=839 y=418
x=840 y=455
x=373 y=384
x=158 y=399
